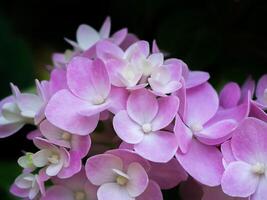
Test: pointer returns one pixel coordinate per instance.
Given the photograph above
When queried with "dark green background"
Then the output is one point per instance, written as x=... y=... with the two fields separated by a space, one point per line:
x=226 y=38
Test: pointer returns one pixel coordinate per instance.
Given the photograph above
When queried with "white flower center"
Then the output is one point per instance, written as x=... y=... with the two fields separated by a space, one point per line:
x=80 y=196
x=258 y=168
x=196 y=127
x=98 y=100
x=265 y=96
x=128 y=74
x=54 y=159
x=121 y=180
x=66 y=136
x=147 y=128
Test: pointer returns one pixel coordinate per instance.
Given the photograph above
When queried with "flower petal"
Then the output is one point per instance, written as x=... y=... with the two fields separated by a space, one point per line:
x=113 y=191
x=168 y=107
x=138 y=179
x=142 y=106
x=249 y=141
x=203 y=163
x=238 y=180
x=196 y=78
x=63 y=111
x=230 y=95
x=58 y=192
x=152 y=192
x=105 y=28
x=127 y=129
x=99 y=168
x=86 y=36
x=202 y=104
x=165 y=142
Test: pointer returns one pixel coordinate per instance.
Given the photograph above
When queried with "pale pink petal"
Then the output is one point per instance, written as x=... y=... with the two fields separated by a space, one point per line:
x=106 y=50
x=142 y=106
x=152 y=192
x=128 y=156
x=81 y=144
x=137 y=50
x=138 y=179
x=155 y=48
x=74 y=165
x=196 y=78
x=183 y=133
x=227 y=152
x=203 y=163
x=119 y=36
x=58 y=192
x=118 y=97
x=257 y=112
x=128 y=130
x=9 y=128
x=128 y=40
x=261 y=190
x=86 y=36
x=261 y=87
x=88 y=79
x=63 y=111
x=167 y=175
x=165 y=142
x=168 y=107
x=99 y=168
x=105 y=28
x=15 y=190
x=113 y=191
x=217 y=132
x=230 y=95
x=202 y=104
x=238 y=180
x=249 y=141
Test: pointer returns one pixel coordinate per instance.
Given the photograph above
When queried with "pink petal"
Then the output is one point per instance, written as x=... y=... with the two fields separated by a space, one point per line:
x=74 y=166
x=81 y=144
x=63 y=111
x=230 y=95
x=203 y=163
x=88 y=79
x=137 y=50
x=105 y=28
x=196 y=78
x=15 y=190
x=165 y=142
x=9 y=129
x=128 y=157
x=217 y=132
x=202 y=104
x=119 y=36
x=152 y=192
x=138 y=179
x=86 y=36
x=249 y=141
x=155 y=48
x=127 y=129
x=261 y=191
x=168 y=107
x=99 y=168
x=238 y=180
x=167 y=175
x=106 y=50
x=183 y=133
x=58 y=192
x=227 y=152
x=128 y=40
x=261 y=86
x=257 y=112
x=118 y=97
x=113 y=191
x=142 y=106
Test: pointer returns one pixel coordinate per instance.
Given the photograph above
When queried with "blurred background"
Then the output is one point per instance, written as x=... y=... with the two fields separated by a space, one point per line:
x=226 y=38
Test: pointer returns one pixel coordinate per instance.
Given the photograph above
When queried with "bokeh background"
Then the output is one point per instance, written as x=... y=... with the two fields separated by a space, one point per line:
x=226 y=38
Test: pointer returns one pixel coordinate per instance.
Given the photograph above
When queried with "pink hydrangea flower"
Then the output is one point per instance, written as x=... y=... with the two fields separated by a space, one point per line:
x=18 y=110
x=28 y=186
x=201 y=105
x=55 y=161
x=87 y=36
x=76 y=187
x=245 y=176
x=77 y=110
x=76 y=143
x=142 y=122
x=121 y=175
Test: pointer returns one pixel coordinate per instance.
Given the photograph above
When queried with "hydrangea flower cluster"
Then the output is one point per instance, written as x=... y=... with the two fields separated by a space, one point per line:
x=117 y=120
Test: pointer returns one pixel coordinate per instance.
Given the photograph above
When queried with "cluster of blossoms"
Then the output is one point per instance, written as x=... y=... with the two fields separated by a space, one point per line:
x=152 y=122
